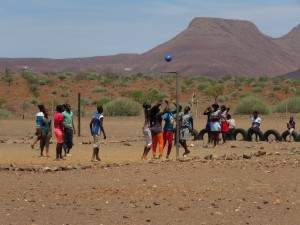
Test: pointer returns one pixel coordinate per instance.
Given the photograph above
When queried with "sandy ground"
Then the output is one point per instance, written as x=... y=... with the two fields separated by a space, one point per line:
x=263 y=190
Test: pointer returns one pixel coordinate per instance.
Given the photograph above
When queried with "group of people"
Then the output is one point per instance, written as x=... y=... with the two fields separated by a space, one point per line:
x=161 y=121
x=160 y=128
x=64 y=129
x=219 y=121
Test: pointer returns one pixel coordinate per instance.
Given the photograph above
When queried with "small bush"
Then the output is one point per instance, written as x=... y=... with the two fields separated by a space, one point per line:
x=4 y=113
x=92 y=76
x=257 y=89
x=99 y=90
x=223 y=99
x=251 y=103
x=263 y=79
x=122 y=107
x=104 y=100
x=137 y=96
x=276 y=88
x=291 y=105
x=154 y=95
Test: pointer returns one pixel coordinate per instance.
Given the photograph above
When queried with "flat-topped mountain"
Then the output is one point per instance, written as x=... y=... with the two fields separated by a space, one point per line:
x=209 y=46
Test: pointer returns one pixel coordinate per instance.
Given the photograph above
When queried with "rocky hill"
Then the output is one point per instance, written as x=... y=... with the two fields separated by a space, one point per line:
x=209 y=46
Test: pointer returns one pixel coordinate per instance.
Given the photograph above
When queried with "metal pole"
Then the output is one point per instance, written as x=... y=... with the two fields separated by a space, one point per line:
x=79 y=114
x=177 y=116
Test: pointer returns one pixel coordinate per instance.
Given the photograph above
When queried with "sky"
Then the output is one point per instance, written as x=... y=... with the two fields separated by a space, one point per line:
x=80 y=28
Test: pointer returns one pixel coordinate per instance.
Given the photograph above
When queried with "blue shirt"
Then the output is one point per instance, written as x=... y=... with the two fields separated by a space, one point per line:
x=39 y=118
x=96 y=123
x=168 y=117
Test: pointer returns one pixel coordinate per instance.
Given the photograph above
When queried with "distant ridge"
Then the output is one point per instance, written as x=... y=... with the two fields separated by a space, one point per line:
x=209 y=46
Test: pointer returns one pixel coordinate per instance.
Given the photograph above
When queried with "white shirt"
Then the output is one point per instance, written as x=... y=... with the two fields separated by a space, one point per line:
x=256 y=122
x=231 y=123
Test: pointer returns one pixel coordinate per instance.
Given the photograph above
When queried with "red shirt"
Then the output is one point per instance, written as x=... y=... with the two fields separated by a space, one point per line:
x=58 y=121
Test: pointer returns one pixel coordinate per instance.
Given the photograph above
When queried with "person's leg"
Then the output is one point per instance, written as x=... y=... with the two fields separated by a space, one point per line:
x=215 y=138
x=95 y=148
x=160 y=144
x=38 y=137
x=224 y=137
x=165 y=138
x=47 y=144
x=60 y=149
x=57 y=151
x=42 y=146
x=65 y=144
x=71 y=141
x=146 y=151
x=154 y=146
x=169 y=137
x=184 y=145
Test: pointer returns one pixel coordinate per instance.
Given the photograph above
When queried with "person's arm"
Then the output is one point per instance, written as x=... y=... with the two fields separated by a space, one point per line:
x=102 y=128
x=91 y=126
x=192 y=122
x=74 y=131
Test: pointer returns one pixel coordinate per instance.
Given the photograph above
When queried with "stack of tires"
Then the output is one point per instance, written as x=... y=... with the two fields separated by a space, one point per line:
x=243 y=135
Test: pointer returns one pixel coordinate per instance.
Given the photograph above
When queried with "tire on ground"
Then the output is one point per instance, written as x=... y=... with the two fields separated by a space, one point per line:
x=275 y=133
x=286 y=133
x=251 y=132
x=238 y=131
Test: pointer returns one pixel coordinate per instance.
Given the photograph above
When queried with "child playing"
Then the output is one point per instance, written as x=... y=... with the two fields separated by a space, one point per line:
x=215 y=126
x=256 y=122
x=147 y=131
x=291 y=126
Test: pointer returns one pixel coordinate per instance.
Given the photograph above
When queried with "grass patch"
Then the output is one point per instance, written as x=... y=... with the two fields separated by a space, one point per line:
x=122 y=107
x=249 y=104
x=291 y=105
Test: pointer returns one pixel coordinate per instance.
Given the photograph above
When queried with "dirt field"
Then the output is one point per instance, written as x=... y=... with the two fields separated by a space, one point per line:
x=261 y=190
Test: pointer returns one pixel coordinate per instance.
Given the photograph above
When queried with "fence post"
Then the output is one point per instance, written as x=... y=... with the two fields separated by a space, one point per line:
x=79 y=115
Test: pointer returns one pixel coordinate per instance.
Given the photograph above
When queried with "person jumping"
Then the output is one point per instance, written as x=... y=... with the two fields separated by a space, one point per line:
x=168 y=130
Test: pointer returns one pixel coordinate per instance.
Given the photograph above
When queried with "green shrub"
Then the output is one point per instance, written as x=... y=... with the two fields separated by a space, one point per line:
x=137 y=96
x=291 y=105
x=4 y=113
x=276 y=88
x=2 y=102
x=263 y=79
x=223 y=99
x=99 y=90
x=251 y=103
x=62 y=77
x=154 y=95
x=257 y=89
x=92 y=76
x=104 y=100
x=122 y=107
x=202 y=86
